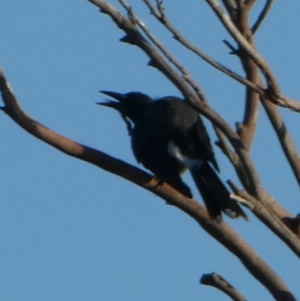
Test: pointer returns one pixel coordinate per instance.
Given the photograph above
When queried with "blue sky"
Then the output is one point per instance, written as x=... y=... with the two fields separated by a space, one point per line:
x=70 y=231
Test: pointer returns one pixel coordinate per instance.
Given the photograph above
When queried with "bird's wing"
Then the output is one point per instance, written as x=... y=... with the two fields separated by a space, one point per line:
x=188 y=130
x=204 y=144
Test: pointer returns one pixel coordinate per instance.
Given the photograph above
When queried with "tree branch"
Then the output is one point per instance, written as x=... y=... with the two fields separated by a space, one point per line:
x=247 y=129
x=284 y=137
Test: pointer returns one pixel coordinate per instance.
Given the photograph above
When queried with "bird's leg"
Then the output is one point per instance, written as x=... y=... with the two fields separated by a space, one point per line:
x=157 y=181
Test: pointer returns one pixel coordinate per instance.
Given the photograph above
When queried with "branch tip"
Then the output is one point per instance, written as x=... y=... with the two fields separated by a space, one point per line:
x=152 y=63
x=127 y=39
x=102 y=11
x=221 y=284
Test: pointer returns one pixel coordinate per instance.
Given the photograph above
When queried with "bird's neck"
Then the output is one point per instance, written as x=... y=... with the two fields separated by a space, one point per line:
x=136 y=113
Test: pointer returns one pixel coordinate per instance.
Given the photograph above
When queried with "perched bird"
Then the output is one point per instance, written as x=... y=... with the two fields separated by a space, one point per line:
x=168 y=137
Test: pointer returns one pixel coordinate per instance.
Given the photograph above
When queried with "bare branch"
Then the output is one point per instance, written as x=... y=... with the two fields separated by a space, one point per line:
x=220 y=283
x=239 y=38
x=284 y=137
x=165 y=52
x=246 y=130
x=262 y=15
x=221 y=232
x=223 y=145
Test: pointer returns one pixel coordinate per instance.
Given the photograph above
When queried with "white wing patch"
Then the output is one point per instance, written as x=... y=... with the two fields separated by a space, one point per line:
x=175 y=152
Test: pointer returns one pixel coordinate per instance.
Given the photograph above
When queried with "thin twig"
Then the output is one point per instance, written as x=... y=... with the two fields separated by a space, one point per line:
x=221 y=284
x=262 y=15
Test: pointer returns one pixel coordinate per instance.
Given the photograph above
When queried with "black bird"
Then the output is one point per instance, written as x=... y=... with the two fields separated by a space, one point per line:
x=168 y=137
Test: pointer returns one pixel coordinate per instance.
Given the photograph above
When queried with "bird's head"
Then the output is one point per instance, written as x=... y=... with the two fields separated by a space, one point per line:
x=130 y=105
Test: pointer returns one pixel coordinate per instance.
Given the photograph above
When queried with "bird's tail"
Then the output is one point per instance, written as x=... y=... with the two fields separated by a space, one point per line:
x=214 y=193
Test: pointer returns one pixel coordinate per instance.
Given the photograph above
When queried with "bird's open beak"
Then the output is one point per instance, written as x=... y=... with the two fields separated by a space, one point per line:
x=113 y=104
